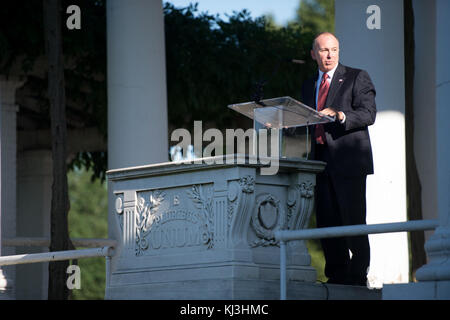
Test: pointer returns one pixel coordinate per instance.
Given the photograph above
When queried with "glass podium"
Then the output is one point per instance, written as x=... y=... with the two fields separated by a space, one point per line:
x=291 y=117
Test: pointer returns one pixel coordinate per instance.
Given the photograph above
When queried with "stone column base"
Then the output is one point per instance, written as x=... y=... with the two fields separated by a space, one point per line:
x=6 y=287
x=424 y=290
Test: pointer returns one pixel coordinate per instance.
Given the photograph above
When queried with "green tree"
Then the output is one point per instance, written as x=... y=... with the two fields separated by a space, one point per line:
x=212 y=63
x=88 y=219
x=316 y=15
x=23 y=54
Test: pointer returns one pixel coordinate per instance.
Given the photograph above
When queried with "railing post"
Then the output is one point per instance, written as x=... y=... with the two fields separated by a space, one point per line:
x=285 y=236
x=108 y=275
x=283 y=283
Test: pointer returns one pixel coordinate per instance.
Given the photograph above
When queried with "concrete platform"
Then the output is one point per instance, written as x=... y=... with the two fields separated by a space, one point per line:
x=242 y=290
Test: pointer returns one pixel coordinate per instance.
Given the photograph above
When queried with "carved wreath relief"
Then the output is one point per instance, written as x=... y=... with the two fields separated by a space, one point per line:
x=269 y=215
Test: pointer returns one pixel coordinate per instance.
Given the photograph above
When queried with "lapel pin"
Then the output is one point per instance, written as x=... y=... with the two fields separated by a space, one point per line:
x=340 y=80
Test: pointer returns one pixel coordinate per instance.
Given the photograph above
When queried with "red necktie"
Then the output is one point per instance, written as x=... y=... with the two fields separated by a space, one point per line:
x=323 y=92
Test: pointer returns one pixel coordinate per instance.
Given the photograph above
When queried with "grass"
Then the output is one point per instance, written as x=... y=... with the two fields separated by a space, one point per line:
x=317 y=259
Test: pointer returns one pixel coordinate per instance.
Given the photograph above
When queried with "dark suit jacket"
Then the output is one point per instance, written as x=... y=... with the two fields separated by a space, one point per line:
x=353 y=93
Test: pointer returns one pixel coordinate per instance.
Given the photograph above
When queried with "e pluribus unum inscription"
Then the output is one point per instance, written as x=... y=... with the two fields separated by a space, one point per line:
x=172 y=229
x=162 y=226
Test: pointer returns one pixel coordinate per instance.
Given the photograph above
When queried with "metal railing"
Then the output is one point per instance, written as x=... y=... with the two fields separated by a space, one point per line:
x=98 y=248
x=45 y=242
x=55 y=256
x=282 y=236
x=345 y=231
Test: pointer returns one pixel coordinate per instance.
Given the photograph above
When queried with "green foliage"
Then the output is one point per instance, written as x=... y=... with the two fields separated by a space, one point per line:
x=212 y=63
x=316 y=15
x=22 y=43
x=316 y=252
x=317 y=259
x=21 y=33
x=22 y=51
x=88 y=218
x=94 y=162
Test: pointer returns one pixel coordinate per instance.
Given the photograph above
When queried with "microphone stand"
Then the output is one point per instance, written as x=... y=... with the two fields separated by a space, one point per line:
x=258 y=94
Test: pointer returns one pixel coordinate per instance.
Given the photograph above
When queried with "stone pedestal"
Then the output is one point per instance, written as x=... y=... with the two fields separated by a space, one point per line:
x=198 y=231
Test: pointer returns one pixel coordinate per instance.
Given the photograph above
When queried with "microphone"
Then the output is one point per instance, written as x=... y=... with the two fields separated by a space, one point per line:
x=258 y=92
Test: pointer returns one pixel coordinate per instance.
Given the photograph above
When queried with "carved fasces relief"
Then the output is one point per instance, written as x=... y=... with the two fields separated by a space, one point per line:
x=119 y=210
x=300 y=203
x=233 y=196
x=246 y=186
x=240 y=203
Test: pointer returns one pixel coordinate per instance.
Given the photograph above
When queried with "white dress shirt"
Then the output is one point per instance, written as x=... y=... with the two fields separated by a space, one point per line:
x=330 y=78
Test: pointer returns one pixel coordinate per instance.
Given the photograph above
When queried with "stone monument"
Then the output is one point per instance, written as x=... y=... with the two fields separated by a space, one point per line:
x=206 y=231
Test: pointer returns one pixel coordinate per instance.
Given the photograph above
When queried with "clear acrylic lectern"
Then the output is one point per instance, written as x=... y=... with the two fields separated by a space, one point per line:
x=288 y=115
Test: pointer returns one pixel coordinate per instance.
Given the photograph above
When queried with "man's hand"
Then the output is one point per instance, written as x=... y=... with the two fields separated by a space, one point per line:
x=332 y=113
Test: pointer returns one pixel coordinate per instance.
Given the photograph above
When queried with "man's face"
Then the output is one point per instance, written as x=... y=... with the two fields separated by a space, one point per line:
x=326 y=52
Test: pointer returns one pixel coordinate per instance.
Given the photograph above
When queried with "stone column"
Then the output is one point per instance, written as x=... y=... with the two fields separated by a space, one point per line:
x=433 y=23
x=3 y=280
x=137 y=93
x=437 y=271
x=8 y=110
x=425 y=105
x=34 y=196
x=380 y=52
x=137 y=98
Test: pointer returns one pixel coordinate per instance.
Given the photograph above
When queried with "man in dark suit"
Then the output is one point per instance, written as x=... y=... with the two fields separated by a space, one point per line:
x=348 y=95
